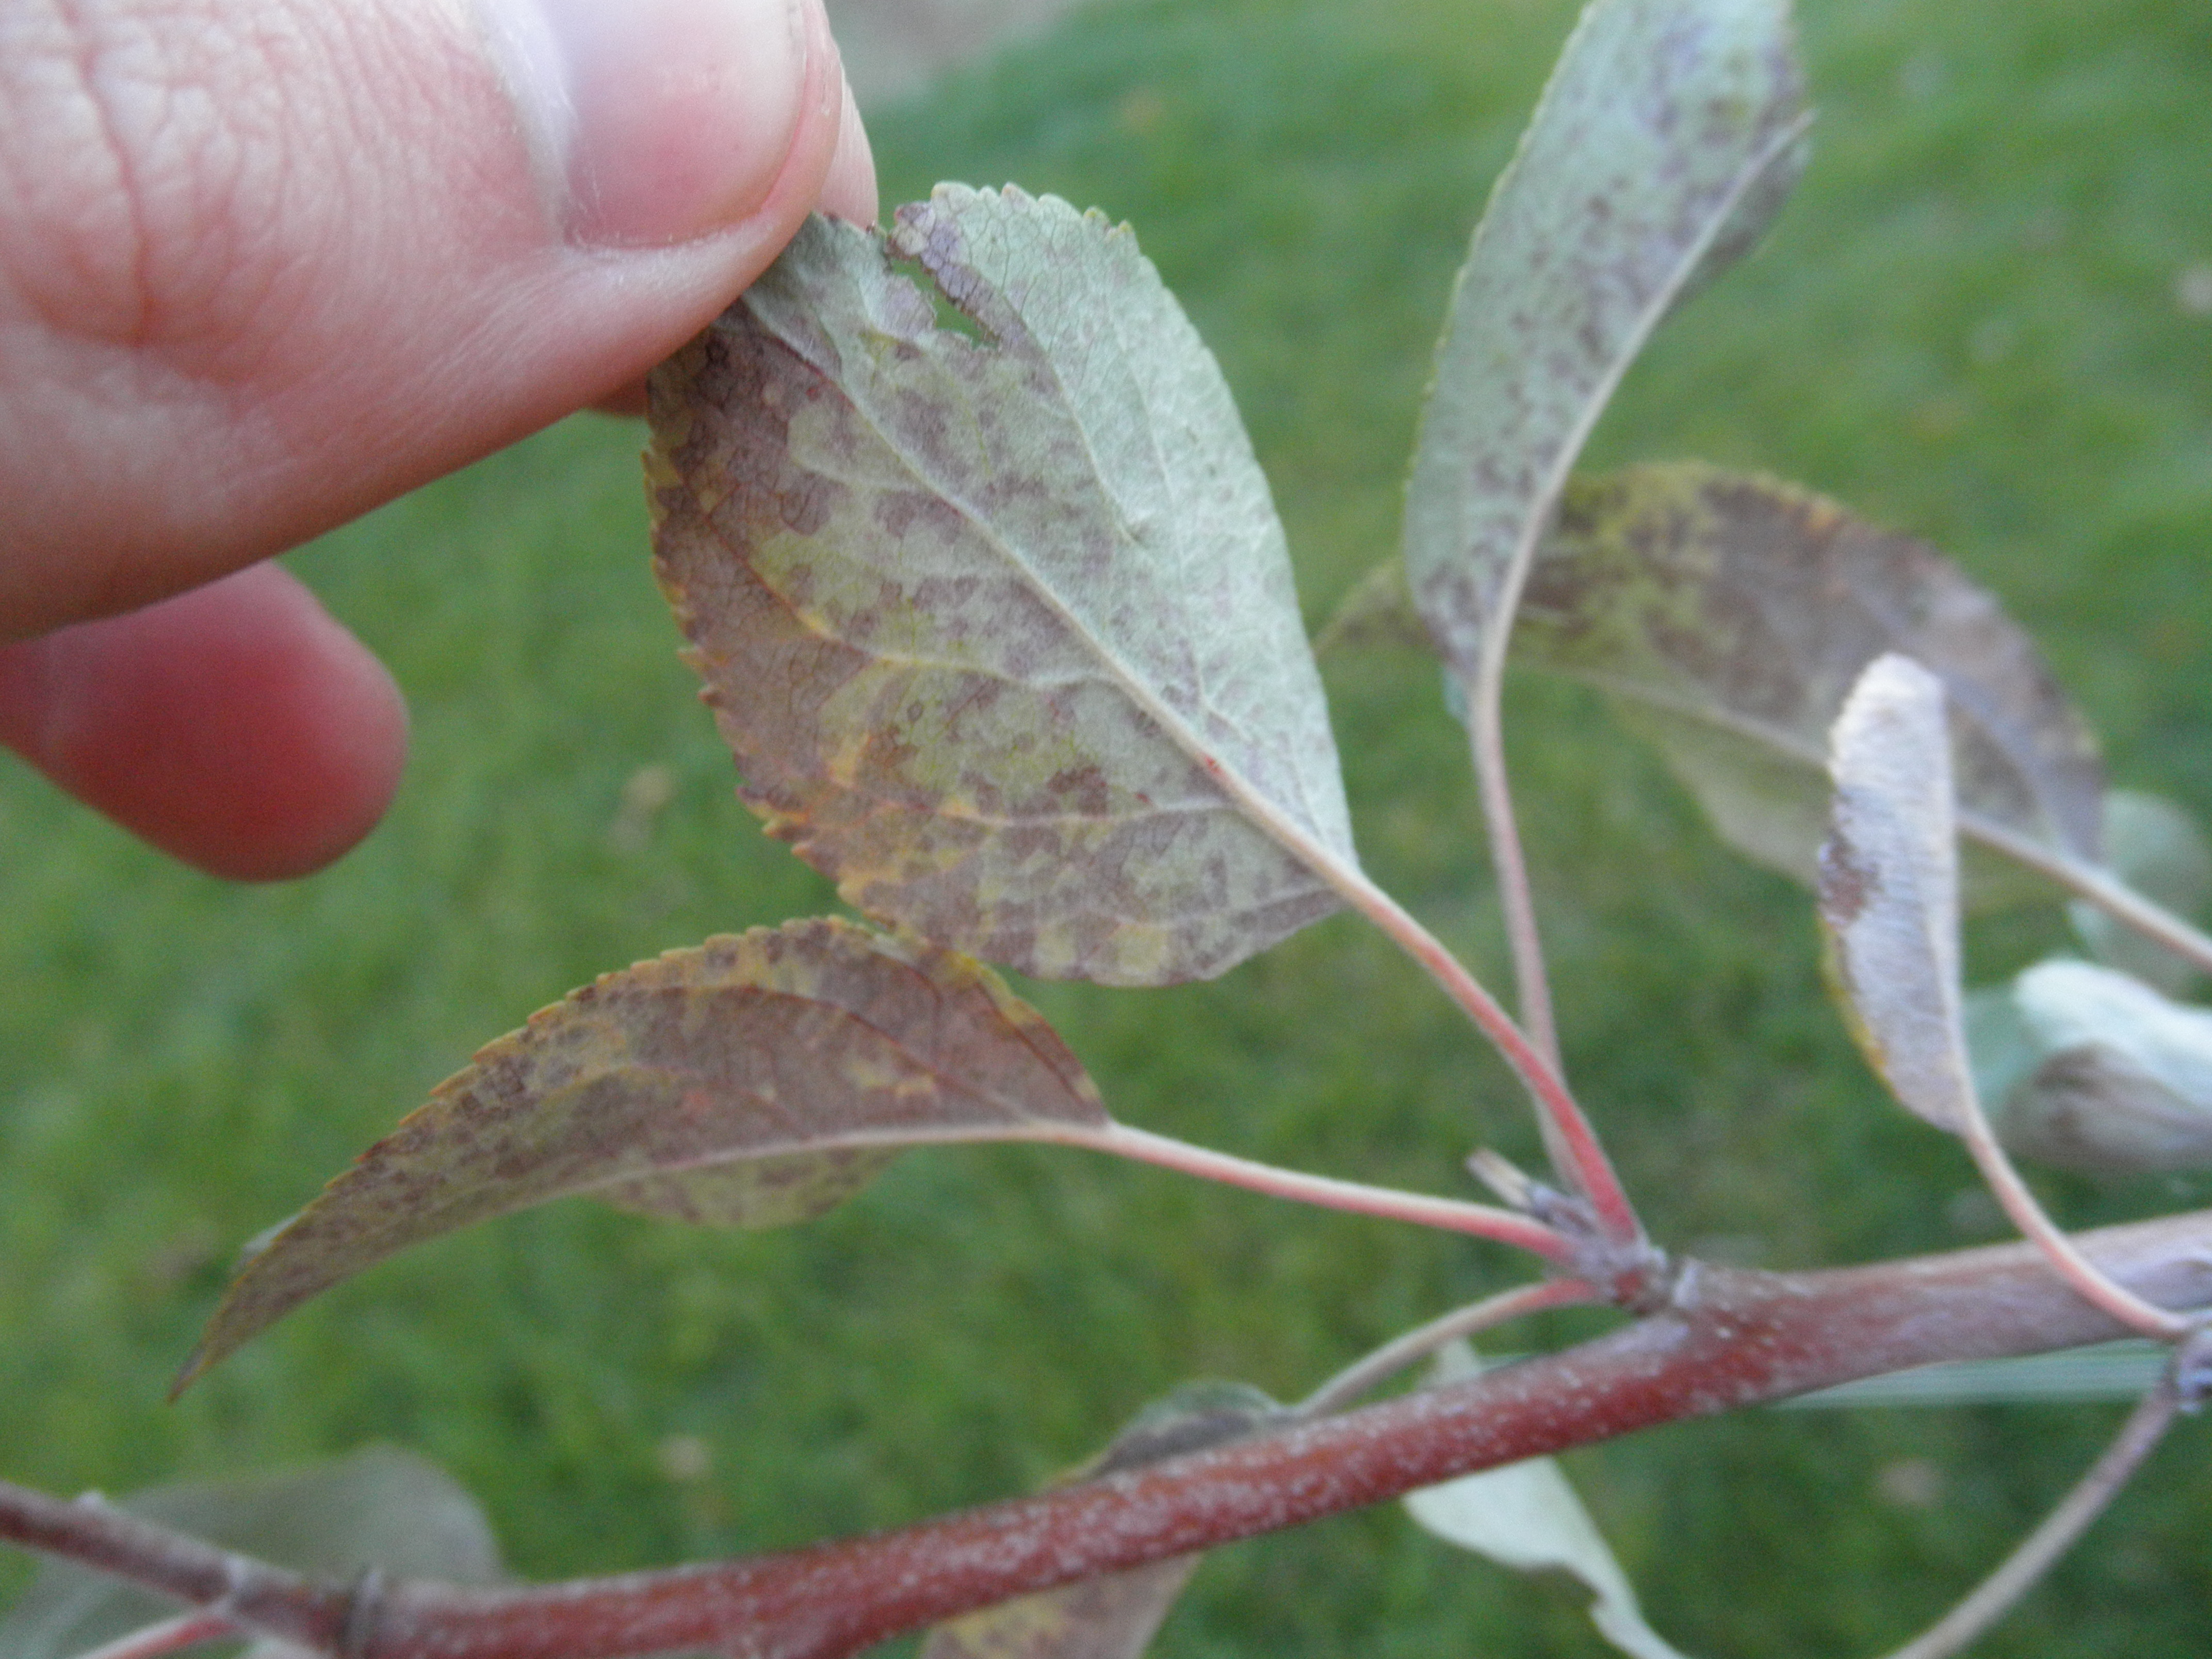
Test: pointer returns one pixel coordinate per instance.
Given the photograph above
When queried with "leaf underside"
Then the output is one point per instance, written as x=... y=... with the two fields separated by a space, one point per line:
x=1667 y=137
x=1889 y=890
x=1727 y=616
x=2110 y=1075
x=759 y=1079
x=1526 y=1516
x=999 y=623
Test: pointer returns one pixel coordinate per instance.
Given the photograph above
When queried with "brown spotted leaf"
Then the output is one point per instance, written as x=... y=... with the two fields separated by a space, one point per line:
x=756 y=1080
x=1668 y=136
x=1889 y=889
x=1728 y=617
x=1113 y=1616
x=996 y=613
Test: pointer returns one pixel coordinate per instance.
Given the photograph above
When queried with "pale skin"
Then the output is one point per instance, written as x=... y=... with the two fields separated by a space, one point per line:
x=265 y=265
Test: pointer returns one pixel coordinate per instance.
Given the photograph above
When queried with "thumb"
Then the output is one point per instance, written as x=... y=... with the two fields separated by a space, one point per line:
x=265 y=264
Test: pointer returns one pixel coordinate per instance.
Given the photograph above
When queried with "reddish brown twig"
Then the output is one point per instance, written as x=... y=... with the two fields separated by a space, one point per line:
x=1726 y=1338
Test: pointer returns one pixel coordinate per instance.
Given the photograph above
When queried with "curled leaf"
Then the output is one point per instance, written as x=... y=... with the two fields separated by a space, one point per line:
x=2100 y=1071
x=1667 y=134
x=1115 y=1615
x=756 y=1080
x=1525 y=1515
x=997 y=618
x=1889 y=889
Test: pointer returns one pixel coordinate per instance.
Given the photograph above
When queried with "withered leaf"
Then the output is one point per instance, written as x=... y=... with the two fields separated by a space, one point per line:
x=997 y=618
x=1889 y=889
x=1113 y=1616
x=756 y=1080
x=1668 y=134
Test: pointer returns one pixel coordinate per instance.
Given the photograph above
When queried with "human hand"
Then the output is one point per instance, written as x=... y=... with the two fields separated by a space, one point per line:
x=267 y=263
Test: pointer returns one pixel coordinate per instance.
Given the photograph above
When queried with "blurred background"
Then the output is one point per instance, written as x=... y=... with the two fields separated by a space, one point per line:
x=1985 y=318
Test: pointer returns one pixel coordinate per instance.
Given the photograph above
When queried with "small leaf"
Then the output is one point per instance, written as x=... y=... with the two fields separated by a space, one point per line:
x=998 y=621
x=2106 y=1074
x=1525 y=1516
x=1666 y=138
x=1113 y=1616
x=1726 y=615
x=756 y=1080
x=1889 y=889
x=379 y=1508
x=2157 y=849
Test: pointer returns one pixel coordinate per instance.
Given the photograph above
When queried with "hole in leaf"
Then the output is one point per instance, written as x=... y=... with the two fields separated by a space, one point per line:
x=949 y=318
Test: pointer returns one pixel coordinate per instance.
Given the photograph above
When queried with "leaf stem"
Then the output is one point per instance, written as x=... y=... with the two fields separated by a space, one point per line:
x=1487 y=737
x=1412 y=1346
x=2098 y=885
x=1482 y=1220
x=2090 y=1281
x=1583 y=1156
x=1995 y=1594
x=170 y=1635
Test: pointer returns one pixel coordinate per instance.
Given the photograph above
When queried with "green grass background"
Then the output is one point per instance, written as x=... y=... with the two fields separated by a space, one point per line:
x=1966 y=324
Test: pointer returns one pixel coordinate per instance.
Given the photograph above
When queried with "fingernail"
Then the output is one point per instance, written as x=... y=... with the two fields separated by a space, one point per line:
x=653 y=121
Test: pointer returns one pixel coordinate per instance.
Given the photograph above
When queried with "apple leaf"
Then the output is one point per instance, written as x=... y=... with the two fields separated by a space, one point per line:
x=1725 y=617
x=756 y=1080
x=1113 y=1616
x=1889 y=889
x=998 y=617
x=1669 y=132
x=380 y=1507
x=1525 y=1515
x=2091 y=1069
x=1734 y=614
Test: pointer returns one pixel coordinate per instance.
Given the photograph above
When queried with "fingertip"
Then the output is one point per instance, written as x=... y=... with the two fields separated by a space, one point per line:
x=658 y=121
x=849 y=192
x=238 y=727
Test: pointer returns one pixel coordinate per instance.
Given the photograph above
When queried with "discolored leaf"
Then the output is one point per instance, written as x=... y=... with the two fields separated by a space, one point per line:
x=997 y=618
x=1526 y=1516
x=2157 y=849
x=380 y=1507
x=2091 y=1069
x=1115 y=1615
x=1889 y=889
x=1733 y=614
x=1725 y=617
x=756 y=1080
x=1667 y=137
